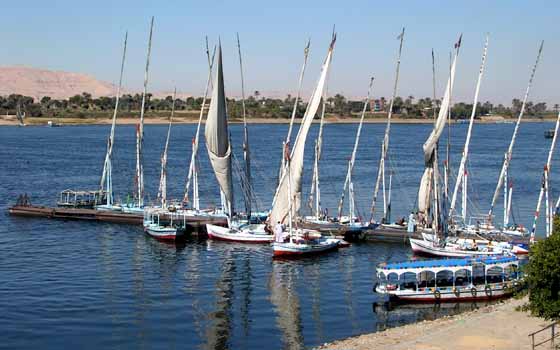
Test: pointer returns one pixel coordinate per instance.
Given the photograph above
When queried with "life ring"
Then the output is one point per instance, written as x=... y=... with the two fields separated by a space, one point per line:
x=437 y=294
x=473 y=292
x=456 y=292
x=488 y=291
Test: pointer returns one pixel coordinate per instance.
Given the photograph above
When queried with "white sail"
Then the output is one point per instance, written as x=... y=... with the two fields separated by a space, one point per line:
x=289 y=188
x=429 y=146
x=461 y=171
x=162 y=192
x=106 y=175
x=505 y=164
x=217 y=135
x=140 y=129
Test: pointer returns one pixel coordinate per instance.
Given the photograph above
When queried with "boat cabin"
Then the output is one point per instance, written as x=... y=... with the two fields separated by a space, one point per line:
x=465 y=278
x=80 y=199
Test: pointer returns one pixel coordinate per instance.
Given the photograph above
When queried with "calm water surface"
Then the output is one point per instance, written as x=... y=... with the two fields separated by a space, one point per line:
x=91 y=285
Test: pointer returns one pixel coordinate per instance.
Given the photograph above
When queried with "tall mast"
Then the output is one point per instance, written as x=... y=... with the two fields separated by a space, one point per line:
x=296 y=102
x=348 y=179
x=246 y=150
x=507 y=159
x=385 y=145
x=140 y=128
x=462 y=174
x=430 y=175
x=545 y=187
x=162 y=192
x=193 y=171
x=315 y=189
x=107 y=165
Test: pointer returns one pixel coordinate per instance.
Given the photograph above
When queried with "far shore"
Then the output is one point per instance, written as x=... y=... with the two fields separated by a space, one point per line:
x=497 y=326
x=11 y=121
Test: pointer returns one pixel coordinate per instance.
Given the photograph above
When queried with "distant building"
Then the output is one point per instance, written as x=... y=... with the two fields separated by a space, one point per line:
x=377 y=105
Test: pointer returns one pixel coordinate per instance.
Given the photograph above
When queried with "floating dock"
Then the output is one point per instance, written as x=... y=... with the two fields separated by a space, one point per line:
x=192 y=224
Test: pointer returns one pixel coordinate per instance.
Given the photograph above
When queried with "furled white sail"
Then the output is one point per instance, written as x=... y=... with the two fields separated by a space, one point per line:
x=289 y=190
x=431 y=143
x=162 y=192
x=385 y=145
x=348 y=180
x=461 y=171
x=217 y=135
x=192 y=175
x=139 y=178
x=107 y=174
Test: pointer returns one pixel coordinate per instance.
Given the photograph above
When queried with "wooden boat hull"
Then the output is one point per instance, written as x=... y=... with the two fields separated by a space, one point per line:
x=239 y=236
x=453 y=295
x=422 y=247
x=295 y=250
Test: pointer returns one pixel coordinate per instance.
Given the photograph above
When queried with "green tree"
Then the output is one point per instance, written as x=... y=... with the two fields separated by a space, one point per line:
x=543 y=276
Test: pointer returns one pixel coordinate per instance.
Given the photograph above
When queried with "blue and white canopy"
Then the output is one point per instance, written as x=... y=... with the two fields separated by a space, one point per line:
x=452 y=265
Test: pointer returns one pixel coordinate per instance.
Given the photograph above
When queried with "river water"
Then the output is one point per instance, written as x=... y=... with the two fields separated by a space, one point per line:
x=91 y=285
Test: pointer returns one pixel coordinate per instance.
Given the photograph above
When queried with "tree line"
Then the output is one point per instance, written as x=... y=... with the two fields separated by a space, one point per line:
x=257 y=106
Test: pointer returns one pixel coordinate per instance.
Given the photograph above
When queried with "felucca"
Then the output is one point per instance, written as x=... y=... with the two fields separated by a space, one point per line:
x=138 y=205
x=106 y=183
x=220 y=153
x=287 y=199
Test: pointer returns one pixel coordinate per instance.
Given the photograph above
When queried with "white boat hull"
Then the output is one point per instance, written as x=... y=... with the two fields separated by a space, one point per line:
x=247 y=234
x=163 y=233
x=451 y=294
x=294 y=249
x=424 y=247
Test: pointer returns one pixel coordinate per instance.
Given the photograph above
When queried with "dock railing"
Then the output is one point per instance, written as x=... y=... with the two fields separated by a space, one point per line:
x=553 y=335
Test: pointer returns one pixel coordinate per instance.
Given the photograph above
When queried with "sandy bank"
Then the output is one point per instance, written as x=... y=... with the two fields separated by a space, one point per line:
x=497 y=326
x=183 y=120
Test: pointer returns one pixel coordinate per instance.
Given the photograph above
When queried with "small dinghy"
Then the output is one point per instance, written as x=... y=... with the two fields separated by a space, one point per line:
x=162 y=232
x=254 y=233
x=298 y=247
x=449 y=280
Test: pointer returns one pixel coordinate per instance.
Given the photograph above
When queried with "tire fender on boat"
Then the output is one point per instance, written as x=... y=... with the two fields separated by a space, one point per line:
x=488 y=291
x=456 y=292
x=437 y=294
x=473 y=292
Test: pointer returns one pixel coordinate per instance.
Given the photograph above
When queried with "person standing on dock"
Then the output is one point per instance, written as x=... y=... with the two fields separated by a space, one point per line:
x=411 y=223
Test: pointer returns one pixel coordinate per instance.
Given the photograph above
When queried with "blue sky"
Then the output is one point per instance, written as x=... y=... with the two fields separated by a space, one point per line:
x=87 y=37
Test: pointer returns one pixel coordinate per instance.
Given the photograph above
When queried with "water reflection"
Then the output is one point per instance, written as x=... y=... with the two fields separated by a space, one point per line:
x=286 y=303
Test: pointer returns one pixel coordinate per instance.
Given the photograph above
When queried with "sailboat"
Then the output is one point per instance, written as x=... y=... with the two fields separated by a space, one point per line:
x=503 y=177
x=287 y=199
x=545 y=188
x=353 y=226
x=20 y=115
x=381 y=169
x=156 y=228
x=138 y=206
x=219 y=151
x=434 y=244
x=106 y=183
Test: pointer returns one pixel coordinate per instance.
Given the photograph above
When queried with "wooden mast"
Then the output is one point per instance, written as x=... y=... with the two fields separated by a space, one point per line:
x=140 y=129
x=107 y=165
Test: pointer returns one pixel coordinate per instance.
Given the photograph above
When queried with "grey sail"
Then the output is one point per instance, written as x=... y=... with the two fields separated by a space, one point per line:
x=217 y=135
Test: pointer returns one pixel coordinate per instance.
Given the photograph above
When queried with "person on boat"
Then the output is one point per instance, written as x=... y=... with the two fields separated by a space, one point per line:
x=279 y=232
x=411 y=223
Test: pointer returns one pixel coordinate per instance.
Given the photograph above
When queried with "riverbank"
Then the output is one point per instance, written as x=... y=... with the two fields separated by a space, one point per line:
x=497 y=326
x=11 y=121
